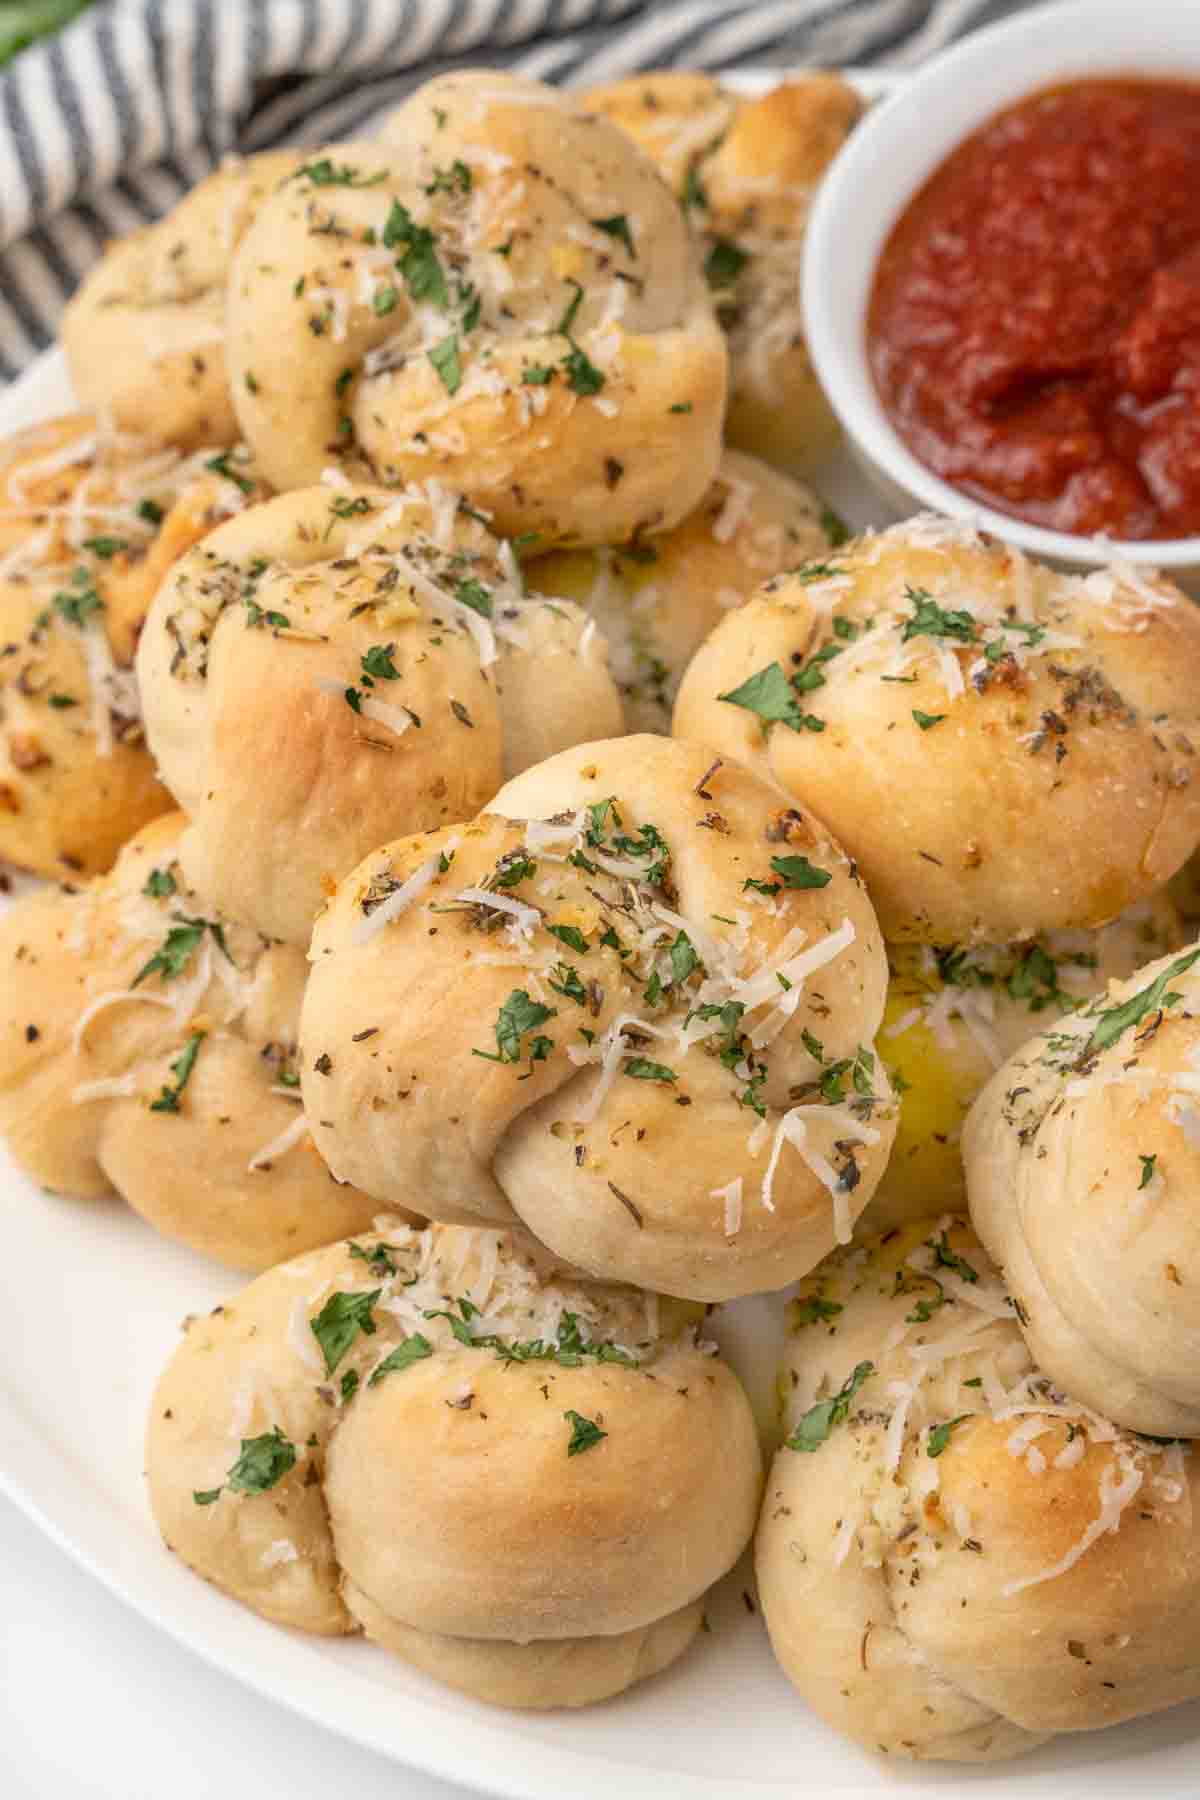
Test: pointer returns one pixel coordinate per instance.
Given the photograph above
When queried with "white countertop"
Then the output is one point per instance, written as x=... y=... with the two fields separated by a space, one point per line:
x=95 y=1704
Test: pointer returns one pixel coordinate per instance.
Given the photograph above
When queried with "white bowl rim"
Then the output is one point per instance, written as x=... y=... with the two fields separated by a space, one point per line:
x=1055 y=44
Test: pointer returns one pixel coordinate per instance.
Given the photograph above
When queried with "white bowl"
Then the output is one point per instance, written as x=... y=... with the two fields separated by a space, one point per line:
x=887 y=159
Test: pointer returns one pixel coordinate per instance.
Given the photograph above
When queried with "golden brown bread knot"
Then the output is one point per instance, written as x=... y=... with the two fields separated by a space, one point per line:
x=746 y=171
x=1082 y=1162
x=520 y=1480
x=145 y=333
x=956 y=1012
x=633 y=1004
x=657 y=599
x=500 y=295
x=1004 y=749
x=90 y=521
x=956 y=1560
x=148 y=1048
x=343 y=664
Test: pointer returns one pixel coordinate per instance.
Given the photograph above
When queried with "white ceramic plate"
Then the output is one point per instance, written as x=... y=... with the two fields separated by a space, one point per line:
x=93 y=1302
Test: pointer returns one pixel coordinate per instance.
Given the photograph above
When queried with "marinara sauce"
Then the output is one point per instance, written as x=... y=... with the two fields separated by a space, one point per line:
x=1034 y=328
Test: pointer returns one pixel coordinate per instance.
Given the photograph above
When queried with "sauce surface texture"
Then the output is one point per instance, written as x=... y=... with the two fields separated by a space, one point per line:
x=1034 y=329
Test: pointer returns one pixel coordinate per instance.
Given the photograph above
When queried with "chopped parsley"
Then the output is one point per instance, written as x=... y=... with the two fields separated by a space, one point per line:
x=327 y=173
x=931 y=620
x=105 y=547
x=151 y=512
x=640 y=1070
x=414 y=1349
x=939 y=1435
x=585 y=1433
x=221 y=465
x=444 y=357
x=814 y=1310
x=454 y=180
x=256 y=616
x=419 y=265
x=377 y=664
x=472 y=593
x=925 y=720
x=946 y=1258
x=516 y=1019
x=177 y=948
x=1114 y=1021
x=1147 y=1163
x=724 y=263
x=571 y=936
x=263 y=1462
x=80 y=602
x=169 y=1098
x=160 y=884
x=617 y=227
x=339 y=1322
x=814 y=1428
x=771 y=696
x=378 y=1258
x=793 y=872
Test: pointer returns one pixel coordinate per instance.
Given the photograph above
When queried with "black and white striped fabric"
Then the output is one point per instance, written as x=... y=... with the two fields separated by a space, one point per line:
x=107 y=125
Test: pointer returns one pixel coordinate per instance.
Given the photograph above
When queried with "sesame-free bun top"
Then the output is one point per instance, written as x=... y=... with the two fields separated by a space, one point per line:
x=342 y=664
x=965 y=1561
x=144 y=334
x=657 y=599
x=955 y=1013
x=963 y=718
x=632 y=1005
x=90 y=520
x=1083 y=1161
x=517 y=1478
x=747 y=171
x=147 y=1049
x=502 y=295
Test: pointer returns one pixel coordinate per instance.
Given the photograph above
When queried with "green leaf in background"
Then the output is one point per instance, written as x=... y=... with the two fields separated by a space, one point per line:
x=23 y=24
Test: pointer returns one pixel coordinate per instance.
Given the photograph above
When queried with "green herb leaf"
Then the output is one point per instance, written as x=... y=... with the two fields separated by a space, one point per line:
x=181 y=1068
x=817 y=1423
x=769 y=693
x=414 y=1349
x=683 y=958
x=444 y=357
x=574 y=303
x=454 y=180
x=106 y=547
x=537 y=374
x=583 y=377
x=378 y=1258
x=946 y=1258
x=517 y=1017
x=377 y=664
x=798 y=872
x=80 y=602
x=339 y=1322
x=939 y=1435
x=617 y=227
x=326 y=173
x=160 y=884
x=571 y=936
x=1147 y=1163
x=264 y=1461
x=221 y=465
x=151 y=511
x=724 y=263
x=585 y=1433
x=814 y=1310
x=386 y=300
x=641 y=1070
x=1114 y=1021
x=931 y=620
x=925 y=720
x=472 y=593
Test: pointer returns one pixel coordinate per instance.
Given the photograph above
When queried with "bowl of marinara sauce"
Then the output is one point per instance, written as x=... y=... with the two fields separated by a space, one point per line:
x=1002 y=284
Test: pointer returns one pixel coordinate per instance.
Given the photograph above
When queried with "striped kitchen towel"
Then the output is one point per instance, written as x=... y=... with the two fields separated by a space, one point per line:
x=107 y=125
